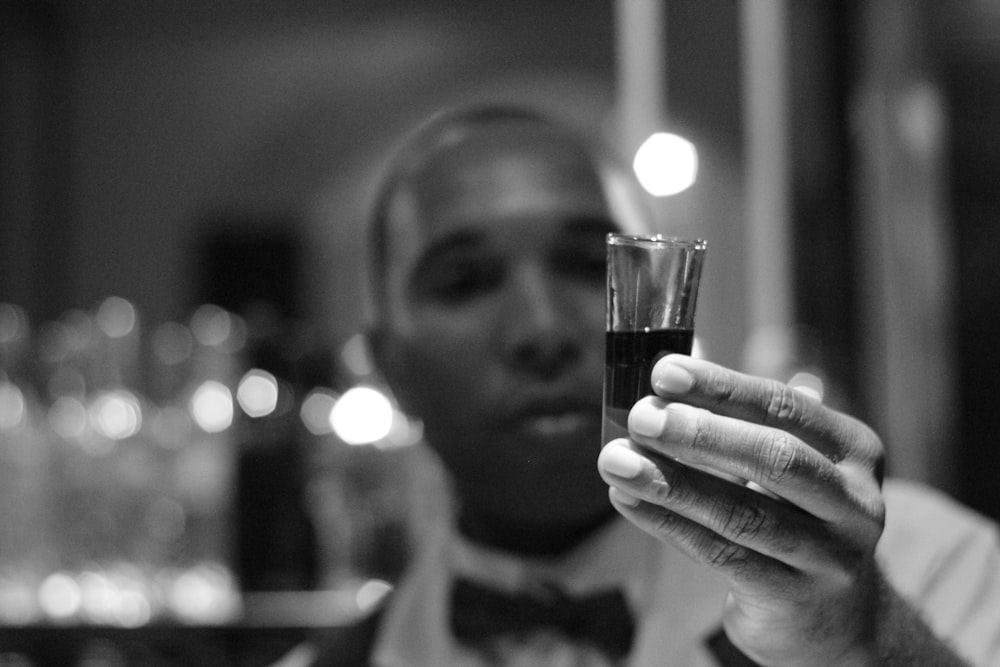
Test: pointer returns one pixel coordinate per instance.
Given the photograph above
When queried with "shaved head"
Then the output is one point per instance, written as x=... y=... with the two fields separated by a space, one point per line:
x=441 y=158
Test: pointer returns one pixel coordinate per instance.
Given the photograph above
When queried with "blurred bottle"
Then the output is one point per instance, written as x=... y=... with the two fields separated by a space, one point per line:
x=141 y=471
x=24 y=551
x=275 y=540
x=201 y=467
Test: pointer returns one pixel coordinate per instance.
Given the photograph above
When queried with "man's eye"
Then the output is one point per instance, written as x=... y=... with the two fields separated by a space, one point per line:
x=590 y=266
x=455 y=284
x=594 y=267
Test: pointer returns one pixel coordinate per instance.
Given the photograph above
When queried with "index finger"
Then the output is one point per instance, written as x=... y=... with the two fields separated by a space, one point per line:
x=766 y=402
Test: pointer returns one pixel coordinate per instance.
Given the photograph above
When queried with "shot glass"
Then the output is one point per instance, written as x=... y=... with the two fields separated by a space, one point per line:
x=652 y=291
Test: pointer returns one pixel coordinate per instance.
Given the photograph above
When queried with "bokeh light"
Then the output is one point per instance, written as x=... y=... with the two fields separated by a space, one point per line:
x=116 y=317
x=212 y=406
x=13 y=323
x=59 y=596
x=68 y=417
x=211 y=325
x=317 y=410
x=204 y=594
x=11 y=405
x=666 y=164
x=257 y=393
x=363 y=415
x=172 y=343
x=116 y=414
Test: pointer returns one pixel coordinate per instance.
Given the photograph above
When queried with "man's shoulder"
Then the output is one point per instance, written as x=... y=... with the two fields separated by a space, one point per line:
x=927 y=532
x=944 y=558
x=913 y=509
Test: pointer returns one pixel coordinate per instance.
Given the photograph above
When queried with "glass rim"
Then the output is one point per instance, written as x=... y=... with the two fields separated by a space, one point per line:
x=655 y=241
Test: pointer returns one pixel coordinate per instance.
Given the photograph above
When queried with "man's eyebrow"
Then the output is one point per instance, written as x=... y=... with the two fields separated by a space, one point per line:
x=441 y=248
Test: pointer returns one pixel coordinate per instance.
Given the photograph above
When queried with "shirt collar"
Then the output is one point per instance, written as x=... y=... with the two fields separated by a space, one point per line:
x=415 y=629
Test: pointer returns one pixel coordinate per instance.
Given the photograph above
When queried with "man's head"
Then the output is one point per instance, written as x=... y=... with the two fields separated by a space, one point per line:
x=489 y=272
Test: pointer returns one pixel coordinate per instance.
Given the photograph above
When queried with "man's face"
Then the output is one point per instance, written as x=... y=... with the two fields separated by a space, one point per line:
x=494 y=327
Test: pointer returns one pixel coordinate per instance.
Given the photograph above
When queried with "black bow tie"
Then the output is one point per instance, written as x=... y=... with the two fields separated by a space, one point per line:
x=479 y=613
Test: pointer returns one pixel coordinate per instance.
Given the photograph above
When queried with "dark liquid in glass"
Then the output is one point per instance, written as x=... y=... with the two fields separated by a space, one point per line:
x=630 y=358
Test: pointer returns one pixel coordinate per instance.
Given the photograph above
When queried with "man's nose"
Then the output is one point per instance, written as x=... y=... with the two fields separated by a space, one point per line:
x=542 y=332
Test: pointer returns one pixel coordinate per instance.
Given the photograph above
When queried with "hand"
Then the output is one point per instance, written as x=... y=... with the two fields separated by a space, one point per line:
x=798 y=557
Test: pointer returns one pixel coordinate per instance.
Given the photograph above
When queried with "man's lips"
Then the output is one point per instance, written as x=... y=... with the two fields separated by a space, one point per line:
x=553 y=426
x=555 y=418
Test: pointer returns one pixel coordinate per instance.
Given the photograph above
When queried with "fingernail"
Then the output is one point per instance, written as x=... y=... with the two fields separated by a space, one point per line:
x=648 y=418
x=620 y=461
x=672 y=379
x=622 y=497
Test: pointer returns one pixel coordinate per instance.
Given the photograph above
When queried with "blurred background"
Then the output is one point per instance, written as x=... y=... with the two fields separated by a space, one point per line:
x=183 y=192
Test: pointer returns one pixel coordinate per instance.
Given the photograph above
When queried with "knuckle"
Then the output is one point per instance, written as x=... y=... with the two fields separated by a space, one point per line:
x=778 y=457
x=783 y=404
x=741 y=522
x=721 y=386
x=669 y=524
x=672 y=489
x=665 y=488
x=720 y=553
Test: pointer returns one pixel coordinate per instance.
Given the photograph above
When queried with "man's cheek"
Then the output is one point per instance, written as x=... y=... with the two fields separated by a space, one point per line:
x=443 y=368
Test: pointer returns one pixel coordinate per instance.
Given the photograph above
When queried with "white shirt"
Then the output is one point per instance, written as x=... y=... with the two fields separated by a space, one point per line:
x=942 y=557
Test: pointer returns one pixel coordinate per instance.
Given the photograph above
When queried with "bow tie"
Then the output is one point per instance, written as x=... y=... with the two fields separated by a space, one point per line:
x=479 y=613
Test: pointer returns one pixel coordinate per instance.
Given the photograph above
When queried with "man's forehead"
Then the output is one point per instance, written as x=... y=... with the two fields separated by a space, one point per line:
x=487 y=177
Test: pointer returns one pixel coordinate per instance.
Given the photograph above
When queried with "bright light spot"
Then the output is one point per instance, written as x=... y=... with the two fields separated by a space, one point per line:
x=116 y=414
x=257 y=393
x=97 y=596
x=362 y=416
x=212 y=407
x=11 y=405
x=666 y=164
x=68 y=417
x=133 y=609
x=116 y=317
x=59 y=596
x=808 y=384
x=402 y=432
x=317 y=410
x=203 y=594
x=371 y=593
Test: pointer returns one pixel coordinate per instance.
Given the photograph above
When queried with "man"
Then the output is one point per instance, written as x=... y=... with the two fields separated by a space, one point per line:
x=489 y=269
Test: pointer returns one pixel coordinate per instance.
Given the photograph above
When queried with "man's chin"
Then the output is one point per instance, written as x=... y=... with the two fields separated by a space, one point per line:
x=543 y=524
